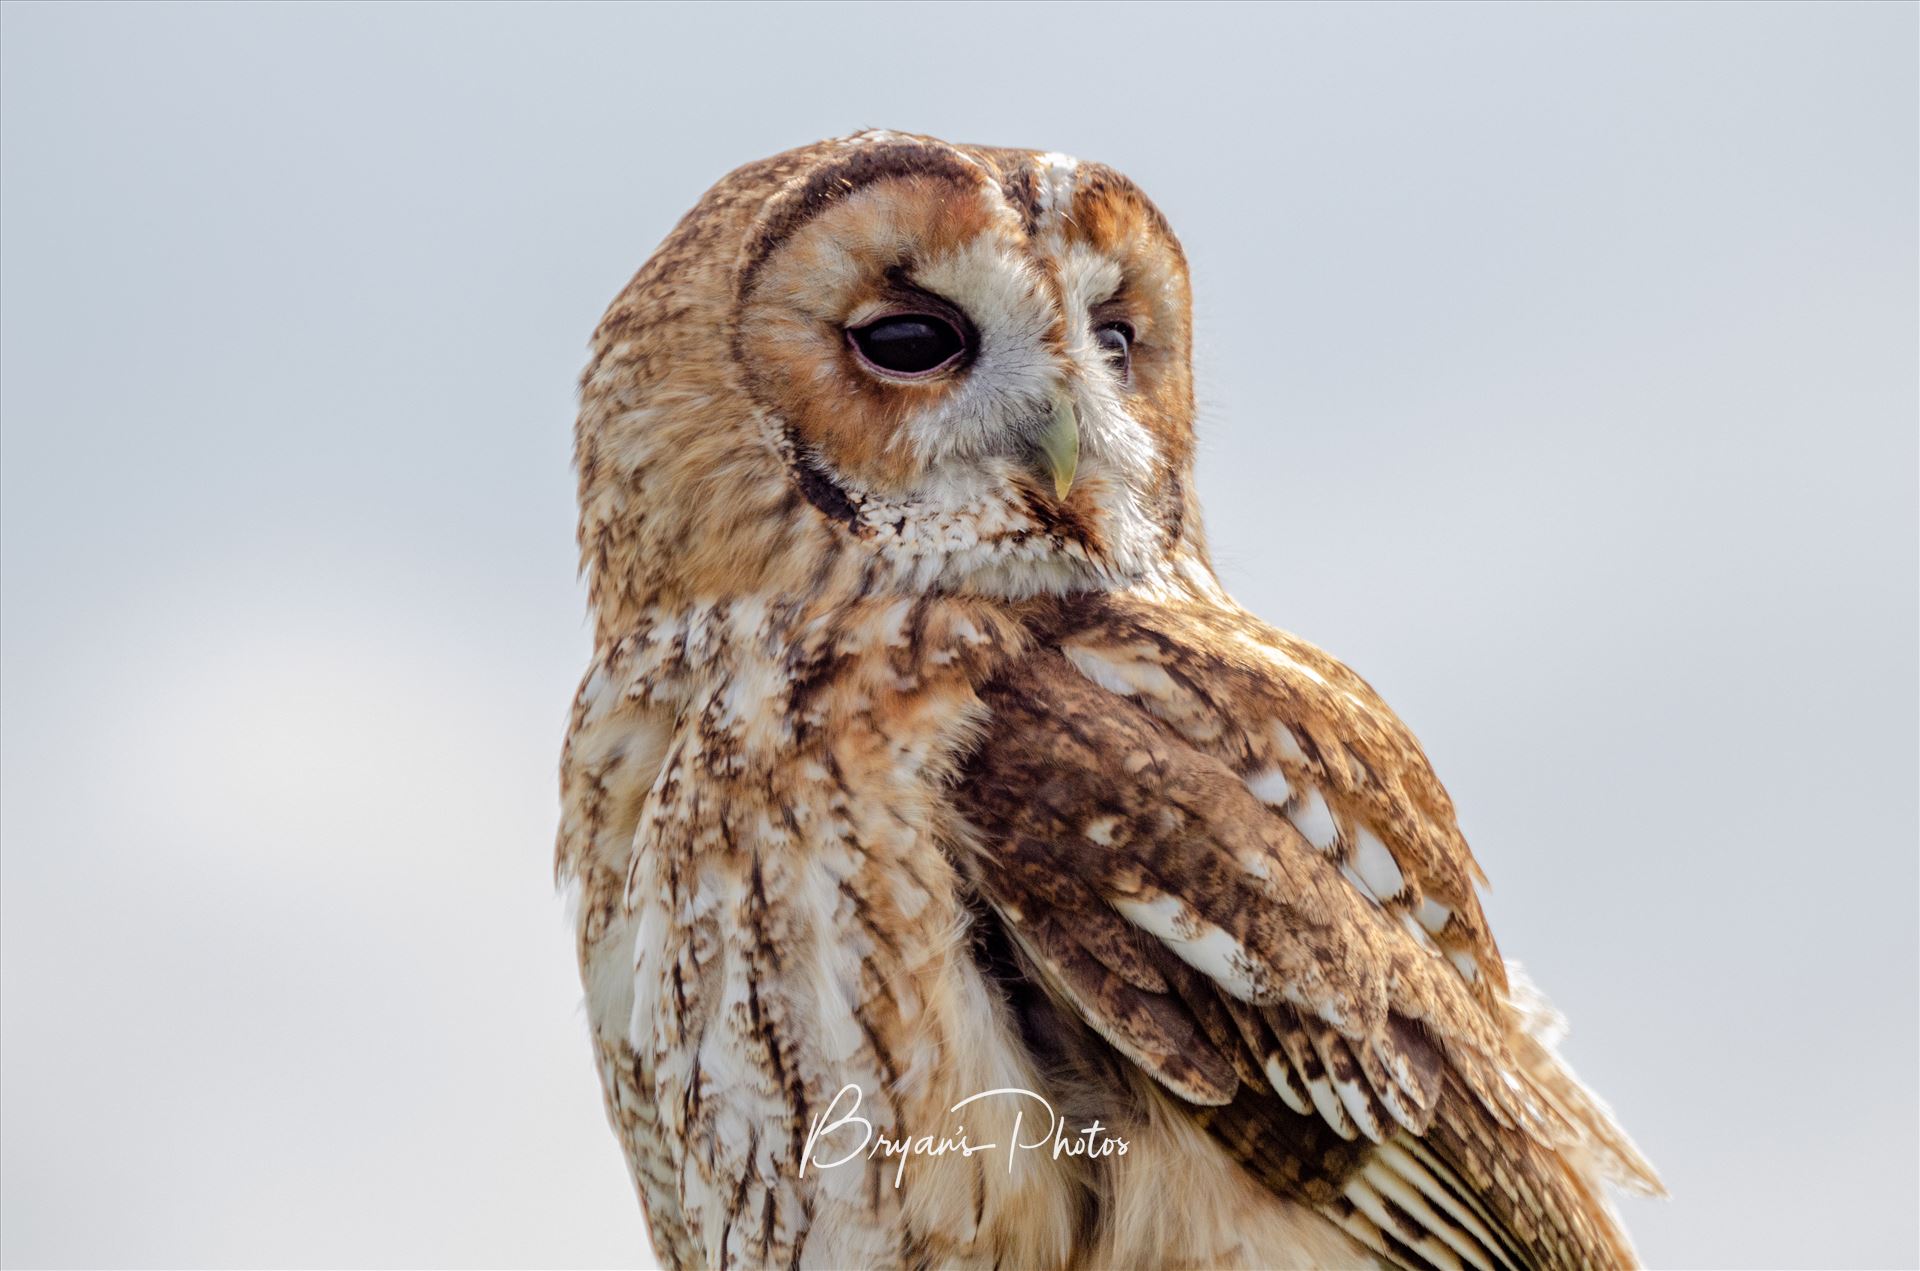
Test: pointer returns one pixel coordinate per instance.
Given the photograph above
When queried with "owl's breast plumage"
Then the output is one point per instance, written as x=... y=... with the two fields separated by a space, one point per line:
x=790 y=925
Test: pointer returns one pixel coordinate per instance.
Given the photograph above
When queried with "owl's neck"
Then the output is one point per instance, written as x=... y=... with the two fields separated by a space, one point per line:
x=780 y=657
x=776 y=651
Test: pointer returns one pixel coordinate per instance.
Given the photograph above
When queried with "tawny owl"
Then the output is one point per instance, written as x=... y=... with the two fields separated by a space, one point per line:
x=963 y=879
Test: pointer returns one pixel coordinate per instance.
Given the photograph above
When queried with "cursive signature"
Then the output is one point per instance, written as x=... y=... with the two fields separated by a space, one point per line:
x=1090 y=1140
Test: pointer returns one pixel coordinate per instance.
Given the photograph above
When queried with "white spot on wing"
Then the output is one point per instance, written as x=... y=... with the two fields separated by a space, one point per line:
x=1376 y=866
x=1286 y=1085
x=1360 y=1108
x=1314 y=819
x=1201 y=945
x=1099 y=670
x=1288 y=745
x=1270 y=786
x=1331 y=1109
x=1418 y=932
x=1125 y=676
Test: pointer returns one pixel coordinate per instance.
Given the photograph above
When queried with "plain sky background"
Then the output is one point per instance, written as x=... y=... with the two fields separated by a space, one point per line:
x=1557 y=367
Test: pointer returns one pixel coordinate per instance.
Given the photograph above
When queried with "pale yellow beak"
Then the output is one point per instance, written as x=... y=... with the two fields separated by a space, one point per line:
x=1059 y=446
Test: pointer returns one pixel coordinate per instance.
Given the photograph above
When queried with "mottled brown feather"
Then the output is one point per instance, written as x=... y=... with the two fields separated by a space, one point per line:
x=1340 y=992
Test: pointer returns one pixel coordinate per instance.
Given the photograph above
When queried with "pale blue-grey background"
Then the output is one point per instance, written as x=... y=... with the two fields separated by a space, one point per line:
x=1557 y=370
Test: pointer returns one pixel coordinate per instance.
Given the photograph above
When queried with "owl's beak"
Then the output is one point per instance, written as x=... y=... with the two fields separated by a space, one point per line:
x=1058 y=448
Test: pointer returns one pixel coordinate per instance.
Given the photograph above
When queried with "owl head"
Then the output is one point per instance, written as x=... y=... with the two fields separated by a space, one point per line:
x=886 y=364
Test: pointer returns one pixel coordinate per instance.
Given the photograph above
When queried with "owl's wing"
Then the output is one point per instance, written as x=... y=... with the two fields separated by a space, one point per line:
x=1216 y=846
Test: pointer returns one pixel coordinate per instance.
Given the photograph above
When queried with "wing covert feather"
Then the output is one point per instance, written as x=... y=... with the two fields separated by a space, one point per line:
x=1346 y=1046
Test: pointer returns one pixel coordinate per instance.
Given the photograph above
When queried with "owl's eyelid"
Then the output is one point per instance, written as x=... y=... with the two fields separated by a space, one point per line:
x=880 y=310
x=904 y=298
x=1111 y=311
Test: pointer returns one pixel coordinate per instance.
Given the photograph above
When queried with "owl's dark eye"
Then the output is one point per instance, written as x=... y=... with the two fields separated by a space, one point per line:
x=1116 y=345
x=909 y=343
